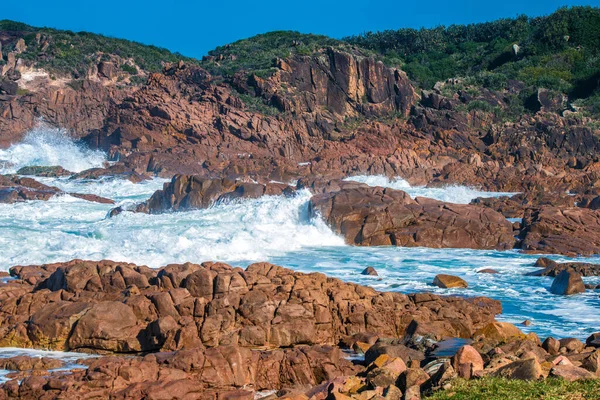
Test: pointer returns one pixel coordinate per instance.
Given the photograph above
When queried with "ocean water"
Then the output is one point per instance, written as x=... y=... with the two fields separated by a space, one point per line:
x=275 y=229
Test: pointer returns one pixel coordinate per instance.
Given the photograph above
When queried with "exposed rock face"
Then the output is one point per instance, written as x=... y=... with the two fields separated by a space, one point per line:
x=215 y=316
x=552 y=268
x=186 y=192
x=571 y=231
x=26 y=363
x=567 y=282
x=378 y=216
x=126 y=308
x=14 y=189
x=319 y=122
x=229 y=372
x=78 y=109
x=345 y=84
x=185 y=111
x=449 y=281
x=528 y=369
x=52 y=171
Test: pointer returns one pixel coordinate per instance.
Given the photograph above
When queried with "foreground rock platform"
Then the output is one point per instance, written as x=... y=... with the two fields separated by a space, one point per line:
x=124 y=308
x=212 y=331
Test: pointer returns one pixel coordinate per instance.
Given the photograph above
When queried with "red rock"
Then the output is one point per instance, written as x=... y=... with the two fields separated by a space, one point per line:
x=468 y=355
x=571 y=373
x=194 y=192
x=370 y=271
x=412 y=377
x=449 y=281
x=571 y=231
x=551 y=345
x=123 y=308
x=377 y=216
x=568 y=282
x=528 y=369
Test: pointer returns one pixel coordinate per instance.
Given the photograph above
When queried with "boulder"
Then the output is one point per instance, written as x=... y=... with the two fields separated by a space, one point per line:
x=528 y=369
x=468 y=355
x=571 y=373
x=568 y=282
x=108 y=326
x=593 y=340
x=552 y=268
x=592 y=363
x=387 y=374
x=551 y=345
x=487 y=271
x=412 y=377
x=499 y=331
x=393 y=349
x=369 y=271
x=449 y=281
x=53 y=171
x=572 y=345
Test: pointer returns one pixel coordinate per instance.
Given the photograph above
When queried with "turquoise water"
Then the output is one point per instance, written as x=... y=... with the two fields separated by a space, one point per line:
x=274 y=229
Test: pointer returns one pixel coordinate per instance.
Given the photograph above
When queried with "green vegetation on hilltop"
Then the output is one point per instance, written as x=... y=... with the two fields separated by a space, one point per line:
x=257 y=54
x=504 y=389
x=560 y=51
x=72 y=53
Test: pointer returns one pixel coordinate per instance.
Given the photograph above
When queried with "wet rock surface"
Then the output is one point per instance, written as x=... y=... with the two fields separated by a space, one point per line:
x=570 y=231
x=126 y=308
x=552 y=268
x=382 y=216
x=567 y=282
x=14 y=189
x=212 y=331
x=186 y=192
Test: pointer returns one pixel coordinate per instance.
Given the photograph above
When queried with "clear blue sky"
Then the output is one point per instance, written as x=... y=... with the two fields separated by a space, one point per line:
x=194 y=27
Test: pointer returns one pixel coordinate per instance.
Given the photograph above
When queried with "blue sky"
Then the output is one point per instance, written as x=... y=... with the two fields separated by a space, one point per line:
x=194 y=27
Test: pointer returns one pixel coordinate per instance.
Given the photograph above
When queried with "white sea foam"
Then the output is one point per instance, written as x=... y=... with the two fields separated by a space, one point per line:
x=452 y=194
x=251 y=230
x=47 y=146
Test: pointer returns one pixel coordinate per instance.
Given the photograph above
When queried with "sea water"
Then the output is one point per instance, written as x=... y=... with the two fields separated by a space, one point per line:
x=276 y=229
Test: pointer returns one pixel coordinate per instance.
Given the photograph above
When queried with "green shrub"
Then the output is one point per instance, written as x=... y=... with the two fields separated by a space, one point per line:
x=130 y=69
x=479 y=105
x=504 y=389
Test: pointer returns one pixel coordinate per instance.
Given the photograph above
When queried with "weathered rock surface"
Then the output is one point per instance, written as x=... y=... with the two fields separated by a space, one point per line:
x=528 y=369
x=52 y=171
x=15 y=189
x=567 y=282
x=449 y=281
x=186 y=192
x=224 y=372
x=126 y=308
x=378 y=216
x=571 y=231
x=26 y=363
x=552 y=268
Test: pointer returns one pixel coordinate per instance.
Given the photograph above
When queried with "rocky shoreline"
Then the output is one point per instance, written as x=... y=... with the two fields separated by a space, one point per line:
x=308 y=122
x=212 y=331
